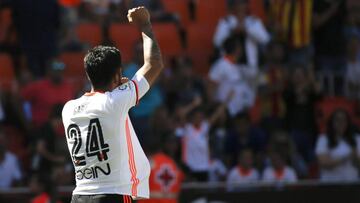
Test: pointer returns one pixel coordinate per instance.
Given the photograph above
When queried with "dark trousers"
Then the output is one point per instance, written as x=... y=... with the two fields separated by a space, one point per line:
x=103 y=198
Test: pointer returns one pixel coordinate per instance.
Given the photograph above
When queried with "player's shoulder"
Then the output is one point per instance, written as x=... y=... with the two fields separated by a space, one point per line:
x=67 y=106
x=70 y=106
x=125 y=87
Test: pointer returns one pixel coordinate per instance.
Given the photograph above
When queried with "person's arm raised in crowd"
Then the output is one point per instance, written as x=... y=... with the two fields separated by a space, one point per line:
x=220 y=110
x=153 y=63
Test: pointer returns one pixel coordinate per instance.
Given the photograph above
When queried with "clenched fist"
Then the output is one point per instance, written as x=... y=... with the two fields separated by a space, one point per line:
x=139 y=16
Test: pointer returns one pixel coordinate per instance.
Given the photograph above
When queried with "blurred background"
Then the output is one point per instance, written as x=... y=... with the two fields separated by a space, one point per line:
x=259 y=100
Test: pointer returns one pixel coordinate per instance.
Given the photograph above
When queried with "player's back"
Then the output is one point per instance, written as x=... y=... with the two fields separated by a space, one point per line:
x=106 y=153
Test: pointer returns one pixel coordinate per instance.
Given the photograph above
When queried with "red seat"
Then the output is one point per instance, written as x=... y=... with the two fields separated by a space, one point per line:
x=328 y=105
x=257 y=8
x=210 y=11
x=74 y=62
x=5 y=22
x=6 y=71
x=5 y=17
x=125 y=37
x=199 y=45
x=179 y=7
x=89 y=33
x=168 y=38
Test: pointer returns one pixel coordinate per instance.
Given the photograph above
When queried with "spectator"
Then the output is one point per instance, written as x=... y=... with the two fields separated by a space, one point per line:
x=37 y=26
x=291 y=24
x=45 y=93
x=246 y=28
x=166 y=177
x=281 y=143
x=244 y=172
x=338 y=148
x=161 y=123
x=48 y=140
x=270 y=101
x=329 y=24
x=300 y=98
x=353 y=68
x=241 y=136
x=183 y=76
x=9 y=165
x=279 y=171
x=229 y=76
x=195 y=141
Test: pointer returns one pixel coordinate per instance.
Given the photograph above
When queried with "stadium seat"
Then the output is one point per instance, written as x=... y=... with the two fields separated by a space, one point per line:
x=328 y=105
x=89 y=33
x=5 y=22
x=5 y=17
x=168 y=38
x=199 y=45
x=210 y=11
x=125 y=36
x=6 y=71
x=257 y=8
x=179 y=7
x=74 y=62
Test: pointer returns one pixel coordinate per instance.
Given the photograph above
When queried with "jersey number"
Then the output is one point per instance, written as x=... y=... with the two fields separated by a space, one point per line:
x=95 y=145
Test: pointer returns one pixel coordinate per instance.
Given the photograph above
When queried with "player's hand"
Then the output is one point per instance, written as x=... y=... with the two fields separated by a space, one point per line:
x=139 y=16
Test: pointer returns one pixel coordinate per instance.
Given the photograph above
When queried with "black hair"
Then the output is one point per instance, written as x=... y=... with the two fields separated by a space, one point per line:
x=101 y=64
x=348 y=135
x=230 y=45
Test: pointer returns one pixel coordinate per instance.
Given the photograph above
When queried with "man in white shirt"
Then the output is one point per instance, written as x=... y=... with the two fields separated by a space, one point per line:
x=247 y=27
x=110 y=165
x=244 y=172
x=279 y=171
x=232 y=77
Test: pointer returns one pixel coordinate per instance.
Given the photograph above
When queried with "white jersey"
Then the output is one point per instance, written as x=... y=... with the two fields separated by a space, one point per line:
x=286 y=175
x=240 y=176
x=195 y=147
x=105 y=150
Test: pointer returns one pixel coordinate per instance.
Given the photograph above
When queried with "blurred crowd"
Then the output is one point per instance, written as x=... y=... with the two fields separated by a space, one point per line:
x=279 y=100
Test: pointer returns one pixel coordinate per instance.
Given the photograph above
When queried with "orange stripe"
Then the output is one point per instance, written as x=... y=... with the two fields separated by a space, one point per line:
x=134 y=179
x=137 y=91
x=124 y=199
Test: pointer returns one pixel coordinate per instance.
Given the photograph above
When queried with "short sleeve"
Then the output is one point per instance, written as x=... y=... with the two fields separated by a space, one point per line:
x=321 y=145
x=128 y=94
x=141 y=85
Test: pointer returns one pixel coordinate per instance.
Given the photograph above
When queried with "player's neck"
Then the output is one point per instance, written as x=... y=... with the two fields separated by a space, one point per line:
x=100 y=90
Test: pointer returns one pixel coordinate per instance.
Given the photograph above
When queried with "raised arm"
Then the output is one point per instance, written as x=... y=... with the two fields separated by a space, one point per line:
x=153 y=63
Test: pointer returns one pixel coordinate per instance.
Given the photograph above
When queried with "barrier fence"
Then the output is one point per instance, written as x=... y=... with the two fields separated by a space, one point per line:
x=300 y=192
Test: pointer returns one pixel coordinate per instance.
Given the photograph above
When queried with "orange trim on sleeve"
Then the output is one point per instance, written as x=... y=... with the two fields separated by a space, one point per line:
x=137 y=91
